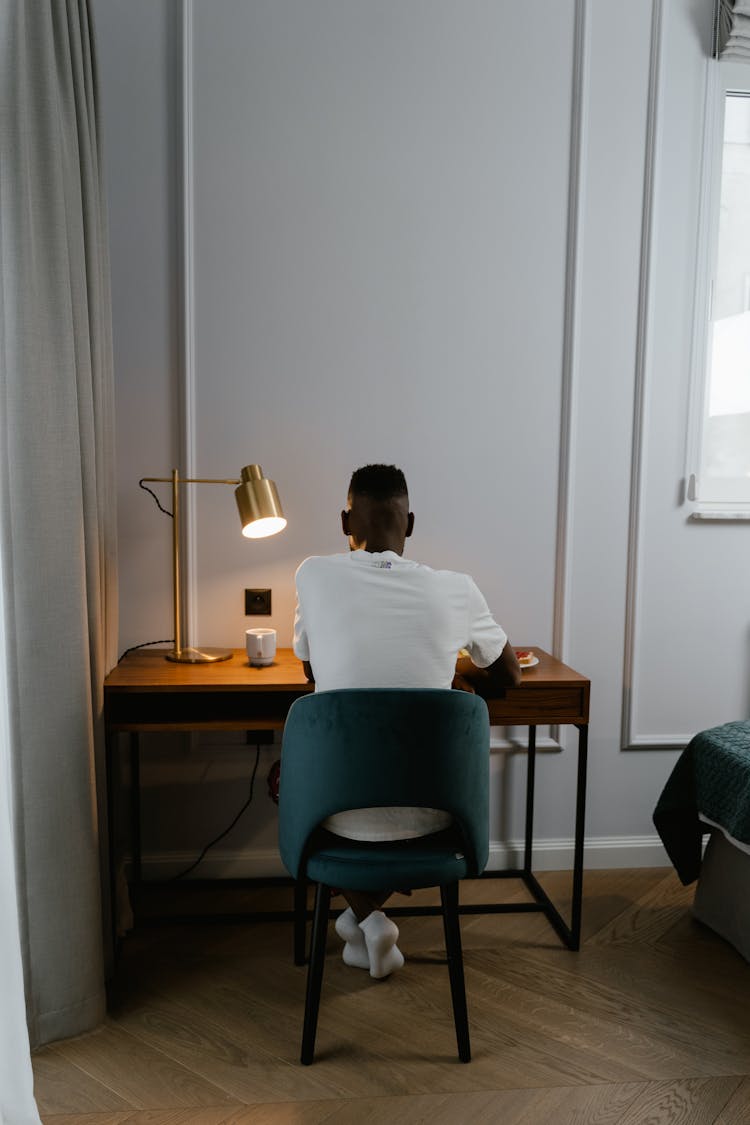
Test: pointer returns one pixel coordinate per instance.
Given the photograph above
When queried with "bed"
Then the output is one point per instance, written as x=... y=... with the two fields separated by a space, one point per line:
x=708 y=792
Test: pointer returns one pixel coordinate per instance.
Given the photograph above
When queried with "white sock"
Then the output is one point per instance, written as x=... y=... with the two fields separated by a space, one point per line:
x=355 y=951
x=381 y=935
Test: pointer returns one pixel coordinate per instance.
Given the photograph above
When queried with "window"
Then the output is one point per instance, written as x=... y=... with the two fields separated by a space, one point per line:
x=721 y=437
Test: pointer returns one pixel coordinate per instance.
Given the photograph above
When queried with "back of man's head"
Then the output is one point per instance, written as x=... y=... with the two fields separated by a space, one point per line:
x=379 y=482
x=378 y=518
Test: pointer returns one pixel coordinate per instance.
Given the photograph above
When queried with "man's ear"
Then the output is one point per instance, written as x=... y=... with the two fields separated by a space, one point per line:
x=409 y=524
x=345 y=522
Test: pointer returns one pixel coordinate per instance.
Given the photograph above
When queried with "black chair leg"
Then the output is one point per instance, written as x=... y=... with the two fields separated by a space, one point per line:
x=449 y=900
x=315 y=972
x=300 y=920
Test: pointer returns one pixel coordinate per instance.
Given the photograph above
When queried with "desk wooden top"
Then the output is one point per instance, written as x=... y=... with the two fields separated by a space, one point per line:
x=149 y=670
x=550 y=692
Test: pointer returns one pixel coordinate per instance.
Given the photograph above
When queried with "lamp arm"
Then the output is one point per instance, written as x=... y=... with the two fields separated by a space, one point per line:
x=174 y=480
x=188 y=480
x=176 y=575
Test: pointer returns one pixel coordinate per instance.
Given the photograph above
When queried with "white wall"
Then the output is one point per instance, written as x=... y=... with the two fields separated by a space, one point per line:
x=138 y=55
x=456 y=237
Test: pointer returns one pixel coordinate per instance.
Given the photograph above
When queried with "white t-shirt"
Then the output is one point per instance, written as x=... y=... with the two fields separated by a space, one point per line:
x=370 y=620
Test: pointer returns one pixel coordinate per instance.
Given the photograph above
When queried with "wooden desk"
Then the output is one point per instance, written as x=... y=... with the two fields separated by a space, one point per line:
x=146 y=692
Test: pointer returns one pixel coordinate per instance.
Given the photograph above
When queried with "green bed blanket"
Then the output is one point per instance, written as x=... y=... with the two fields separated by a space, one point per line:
x=712 y=776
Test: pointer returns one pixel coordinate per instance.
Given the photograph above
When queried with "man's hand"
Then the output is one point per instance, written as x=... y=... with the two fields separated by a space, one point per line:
x=492 y=682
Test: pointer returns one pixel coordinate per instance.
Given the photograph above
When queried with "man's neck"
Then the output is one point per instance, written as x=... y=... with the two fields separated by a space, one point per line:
x=377 y=546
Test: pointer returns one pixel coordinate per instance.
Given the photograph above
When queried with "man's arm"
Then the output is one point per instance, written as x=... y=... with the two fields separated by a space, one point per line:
x=491 y=682
x=300 y=645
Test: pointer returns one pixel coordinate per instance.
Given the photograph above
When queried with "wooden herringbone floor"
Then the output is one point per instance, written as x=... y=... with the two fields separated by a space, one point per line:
x=649 y=1023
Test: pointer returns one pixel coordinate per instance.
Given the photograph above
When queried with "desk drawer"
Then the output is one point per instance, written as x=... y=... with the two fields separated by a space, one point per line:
x=198 y=710
x=528 y=706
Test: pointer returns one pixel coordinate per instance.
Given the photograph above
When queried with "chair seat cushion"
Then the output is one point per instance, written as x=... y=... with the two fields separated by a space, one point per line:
x=356 y=865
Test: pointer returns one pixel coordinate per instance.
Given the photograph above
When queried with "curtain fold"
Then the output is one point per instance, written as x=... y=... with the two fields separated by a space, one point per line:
x=17 y=1106
x=57 y=536
x=732 y=29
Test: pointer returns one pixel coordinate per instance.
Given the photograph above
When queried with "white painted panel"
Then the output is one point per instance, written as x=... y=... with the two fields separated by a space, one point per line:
x=380 y=225
x=610 y=268
x=692 y=651
x=622 y=788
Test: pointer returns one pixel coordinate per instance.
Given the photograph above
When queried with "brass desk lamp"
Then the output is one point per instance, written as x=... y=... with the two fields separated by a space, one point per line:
x=261 y=515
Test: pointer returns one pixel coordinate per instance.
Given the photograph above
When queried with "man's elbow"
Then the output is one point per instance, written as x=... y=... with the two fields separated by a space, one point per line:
x=502 y=679
x=505 y=672
x=511 y=677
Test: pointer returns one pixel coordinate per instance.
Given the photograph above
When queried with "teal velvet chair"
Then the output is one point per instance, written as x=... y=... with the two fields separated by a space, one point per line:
x=362 y=748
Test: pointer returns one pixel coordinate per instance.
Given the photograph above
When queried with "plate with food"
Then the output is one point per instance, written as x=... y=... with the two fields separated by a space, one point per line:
x=526 y=658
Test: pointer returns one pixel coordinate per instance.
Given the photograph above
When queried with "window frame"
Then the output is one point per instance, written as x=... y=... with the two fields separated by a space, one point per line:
x=711 y=498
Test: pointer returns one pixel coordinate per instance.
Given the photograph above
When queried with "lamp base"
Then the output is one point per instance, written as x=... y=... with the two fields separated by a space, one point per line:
x=198 y=655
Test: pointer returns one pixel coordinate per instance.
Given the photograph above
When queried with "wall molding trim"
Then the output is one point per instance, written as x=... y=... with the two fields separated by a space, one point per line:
x=549 y=855
x=704 y=244
x=571 y=331
x=186 y=395
x=629 y=739
x=185 y=407
x=659 y=742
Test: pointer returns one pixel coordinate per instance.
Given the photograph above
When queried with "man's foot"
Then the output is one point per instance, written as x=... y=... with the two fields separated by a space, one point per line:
x=355 y=950
x=381 y=935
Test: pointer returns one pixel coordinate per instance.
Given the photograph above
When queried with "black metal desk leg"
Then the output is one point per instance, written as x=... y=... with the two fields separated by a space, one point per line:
x=135 y=806
x=110 y=758
x=575 y=920
x=530 y=775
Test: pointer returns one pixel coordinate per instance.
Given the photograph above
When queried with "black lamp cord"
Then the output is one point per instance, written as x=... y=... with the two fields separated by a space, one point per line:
x=159 y=504
x=170 y=641
x=192 y=867
x=145 y=644
x=167 y=640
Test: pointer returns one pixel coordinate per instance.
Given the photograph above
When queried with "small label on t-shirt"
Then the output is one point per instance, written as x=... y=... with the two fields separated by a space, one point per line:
x=383 y=564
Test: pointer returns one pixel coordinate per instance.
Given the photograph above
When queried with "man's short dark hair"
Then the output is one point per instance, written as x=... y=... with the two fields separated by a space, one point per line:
x=380 y=482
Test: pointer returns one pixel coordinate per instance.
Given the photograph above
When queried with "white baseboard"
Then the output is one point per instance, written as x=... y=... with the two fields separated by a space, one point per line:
x=519 y=743
x=549 y=855
x=599 y=852
x=255 y=864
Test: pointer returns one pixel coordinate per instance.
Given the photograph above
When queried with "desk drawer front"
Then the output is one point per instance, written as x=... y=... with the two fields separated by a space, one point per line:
x=526 y=706
x=198 y=710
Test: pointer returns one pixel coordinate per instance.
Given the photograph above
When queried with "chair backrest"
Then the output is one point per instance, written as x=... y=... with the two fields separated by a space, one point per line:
x=362 y=748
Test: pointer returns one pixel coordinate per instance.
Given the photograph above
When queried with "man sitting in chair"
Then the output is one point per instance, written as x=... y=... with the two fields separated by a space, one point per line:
x=373 y=619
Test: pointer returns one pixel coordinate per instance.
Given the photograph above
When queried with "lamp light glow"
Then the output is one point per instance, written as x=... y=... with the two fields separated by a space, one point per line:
x=258 y=504
x=261 y=529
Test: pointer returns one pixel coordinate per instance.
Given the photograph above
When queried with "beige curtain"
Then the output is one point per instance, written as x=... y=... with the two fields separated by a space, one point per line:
x=57 y=536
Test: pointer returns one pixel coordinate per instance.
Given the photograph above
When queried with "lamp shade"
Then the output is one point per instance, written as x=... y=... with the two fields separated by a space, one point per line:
x=258 y=504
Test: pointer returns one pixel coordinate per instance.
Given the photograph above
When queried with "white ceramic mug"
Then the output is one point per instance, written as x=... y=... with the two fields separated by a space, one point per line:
x=261 y=646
